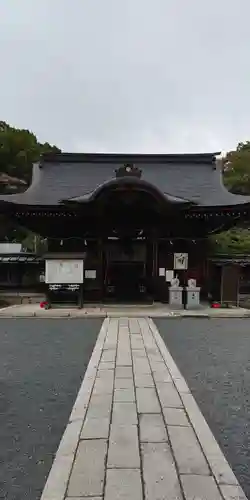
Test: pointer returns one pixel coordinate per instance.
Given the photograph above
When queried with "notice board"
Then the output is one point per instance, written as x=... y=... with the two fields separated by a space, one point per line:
x=64 y=271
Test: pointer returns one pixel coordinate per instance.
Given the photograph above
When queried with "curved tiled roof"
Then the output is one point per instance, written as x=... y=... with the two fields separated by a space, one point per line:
x=130 y=181
x=180 y=178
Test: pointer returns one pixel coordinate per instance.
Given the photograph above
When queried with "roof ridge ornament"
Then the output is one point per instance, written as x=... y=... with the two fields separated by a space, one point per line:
x=128 y=170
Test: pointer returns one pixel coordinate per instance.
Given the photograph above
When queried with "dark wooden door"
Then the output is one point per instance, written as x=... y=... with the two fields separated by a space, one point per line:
x=230 y=284
x=126 y=281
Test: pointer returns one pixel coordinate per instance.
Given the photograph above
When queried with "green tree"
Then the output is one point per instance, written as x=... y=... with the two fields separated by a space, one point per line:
x=236 y=173
x=19 y=149
x=236 y=169
x=234 y=241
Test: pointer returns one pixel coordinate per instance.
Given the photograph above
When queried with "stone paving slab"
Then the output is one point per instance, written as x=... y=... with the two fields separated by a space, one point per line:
x=136 y=432
x=123 y=484
x=88 y=473
x=200 y=487
x=123 y=452
x=152 y=428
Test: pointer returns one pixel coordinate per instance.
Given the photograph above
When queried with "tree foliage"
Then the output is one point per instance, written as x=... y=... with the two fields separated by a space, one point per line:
x=236 y=167
x=234 y=241
x=236 y=173
x=19 y=149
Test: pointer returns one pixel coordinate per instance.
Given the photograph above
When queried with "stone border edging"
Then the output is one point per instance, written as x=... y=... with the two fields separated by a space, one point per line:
x=57 y=481
x=13 y=312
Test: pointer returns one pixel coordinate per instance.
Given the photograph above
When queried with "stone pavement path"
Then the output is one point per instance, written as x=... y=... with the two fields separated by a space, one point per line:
x=135 y=431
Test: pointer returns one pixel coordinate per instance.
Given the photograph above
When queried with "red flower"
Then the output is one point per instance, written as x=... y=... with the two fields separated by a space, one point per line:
x=43 y=304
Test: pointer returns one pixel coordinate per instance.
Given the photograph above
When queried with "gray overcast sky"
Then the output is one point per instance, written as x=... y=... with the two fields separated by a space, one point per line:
x=127 y=75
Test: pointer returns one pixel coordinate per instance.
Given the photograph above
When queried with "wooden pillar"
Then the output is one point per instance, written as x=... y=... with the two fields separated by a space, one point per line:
x=163 y=258
x=102 y=267
x=155 y=258
x=154 y=268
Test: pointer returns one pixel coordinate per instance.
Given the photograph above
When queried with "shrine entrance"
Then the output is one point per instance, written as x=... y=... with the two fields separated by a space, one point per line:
x=126 y=272
x=129 y=209
x=126 y=281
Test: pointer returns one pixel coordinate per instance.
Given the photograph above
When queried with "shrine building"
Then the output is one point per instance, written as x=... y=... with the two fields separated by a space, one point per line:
x=120 y=227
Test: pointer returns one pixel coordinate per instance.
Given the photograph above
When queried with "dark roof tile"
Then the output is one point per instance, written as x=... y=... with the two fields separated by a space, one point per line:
x=190 y=177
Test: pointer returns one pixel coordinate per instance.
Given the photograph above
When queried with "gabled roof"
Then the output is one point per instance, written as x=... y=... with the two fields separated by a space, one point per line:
x=59 y=178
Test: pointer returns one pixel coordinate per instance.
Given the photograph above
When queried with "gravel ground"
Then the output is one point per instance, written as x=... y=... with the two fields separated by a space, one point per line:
x=42 y=363
x=214 y=357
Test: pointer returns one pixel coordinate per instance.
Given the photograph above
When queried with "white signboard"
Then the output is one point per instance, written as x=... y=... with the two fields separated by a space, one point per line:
x=180 y=261
x=169 y=275
x=161 y=271
x=90 y=274
x=63 y=271
x=10 y=247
